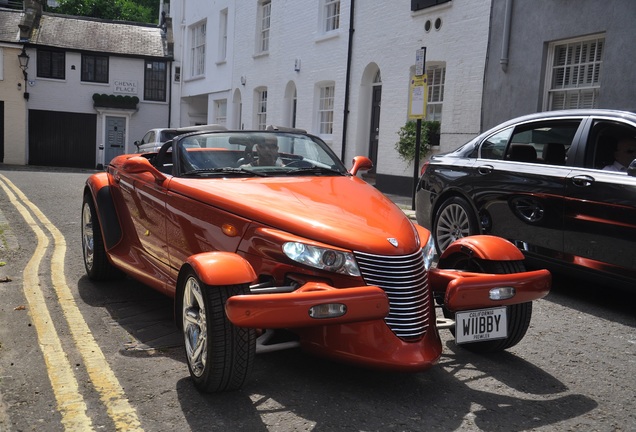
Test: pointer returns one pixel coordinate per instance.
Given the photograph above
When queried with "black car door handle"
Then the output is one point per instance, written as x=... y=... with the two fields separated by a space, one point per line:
x=485 y=169
x=582 y=181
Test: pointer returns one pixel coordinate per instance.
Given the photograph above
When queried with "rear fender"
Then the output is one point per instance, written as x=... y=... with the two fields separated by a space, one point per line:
x=484 y=247
x=100 y=190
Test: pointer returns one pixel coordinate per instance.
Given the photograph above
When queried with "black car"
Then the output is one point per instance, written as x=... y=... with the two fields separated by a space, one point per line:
x=548 y=183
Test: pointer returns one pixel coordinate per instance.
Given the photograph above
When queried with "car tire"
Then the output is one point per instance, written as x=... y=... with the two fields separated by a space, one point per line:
x=219 y=354
x=518 y=315
x=453 y=220
x=98 y=267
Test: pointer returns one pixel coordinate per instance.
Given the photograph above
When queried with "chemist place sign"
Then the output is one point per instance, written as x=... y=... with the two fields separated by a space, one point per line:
x=122 y=86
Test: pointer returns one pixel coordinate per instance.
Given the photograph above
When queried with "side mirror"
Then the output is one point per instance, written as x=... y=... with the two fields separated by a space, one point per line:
x=631 y=169
x=139 y=164
x=360 y=163
x=137 y=144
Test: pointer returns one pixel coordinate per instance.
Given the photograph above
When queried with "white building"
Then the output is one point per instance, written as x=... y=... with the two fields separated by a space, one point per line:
x=55 y=116
x=340 y=69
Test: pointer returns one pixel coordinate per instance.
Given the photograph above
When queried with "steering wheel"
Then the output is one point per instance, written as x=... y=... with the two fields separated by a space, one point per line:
x=248 y=156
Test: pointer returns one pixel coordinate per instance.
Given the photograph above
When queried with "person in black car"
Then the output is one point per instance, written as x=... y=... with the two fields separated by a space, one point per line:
x=624 y=154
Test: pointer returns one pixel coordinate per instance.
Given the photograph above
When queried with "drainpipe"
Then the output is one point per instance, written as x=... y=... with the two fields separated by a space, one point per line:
x=347 y=83
x=503 y=61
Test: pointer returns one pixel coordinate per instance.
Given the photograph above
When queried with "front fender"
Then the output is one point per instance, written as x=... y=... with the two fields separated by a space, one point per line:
x=485 y=247
x=222 y=268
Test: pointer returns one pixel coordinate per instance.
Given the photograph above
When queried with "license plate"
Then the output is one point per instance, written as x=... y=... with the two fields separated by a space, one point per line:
x=481 y=325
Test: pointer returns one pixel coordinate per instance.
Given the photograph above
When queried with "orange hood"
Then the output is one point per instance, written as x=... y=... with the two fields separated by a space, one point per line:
x=341 y=211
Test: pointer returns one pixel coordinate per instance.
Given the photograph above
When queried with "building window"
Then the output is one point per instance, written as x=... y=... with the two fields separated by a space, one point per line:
x=325 y=110
x=265 y=15
x=575 y=73
x=331 y=15
x=436 y=75
x=155 y=81
x=94 y=68
x=423 y=4
x=221 y=112
x=261 y=109
x=51 y=64
x=197 y=50
x=223 y=36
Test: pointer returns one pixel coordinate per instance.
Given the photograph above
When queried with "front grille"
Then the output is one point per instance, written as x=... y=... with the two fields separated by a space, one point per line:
x=405 y=281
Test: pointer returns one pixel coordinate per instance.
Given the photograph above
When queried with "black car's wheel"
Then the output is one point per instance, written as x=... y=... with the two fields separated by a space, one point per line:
x=219 y=354
x=518 y=315
x=454 y=219
x=95 y=260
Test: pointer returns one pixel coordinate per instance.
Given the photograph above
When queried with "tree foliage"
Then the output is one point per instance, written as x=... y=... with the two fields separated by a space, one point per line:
x=146 y=11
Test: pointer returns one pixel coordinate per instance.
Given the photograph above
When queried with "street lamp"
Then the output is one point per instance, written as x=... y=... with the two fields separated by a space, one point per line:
x=23 y=57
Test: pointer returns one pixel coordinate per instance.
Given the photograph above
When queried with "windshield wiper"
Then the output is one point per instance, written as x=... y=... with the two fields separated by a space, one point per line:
x=223 y=171
x=314 y=170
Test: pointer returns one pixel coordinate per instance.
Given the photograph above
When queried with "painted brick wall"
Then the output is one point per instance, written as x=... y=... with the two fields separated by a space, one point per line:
x=386 y=37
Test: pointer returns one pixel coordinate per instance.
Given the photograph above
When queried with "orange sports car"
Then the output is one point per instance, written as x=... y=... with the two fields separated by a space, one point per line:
x=266 y=241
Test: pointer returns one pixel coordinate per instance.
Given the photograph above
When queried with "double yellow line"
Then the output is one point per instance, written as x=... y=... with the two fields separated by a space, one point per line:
x=70 y=401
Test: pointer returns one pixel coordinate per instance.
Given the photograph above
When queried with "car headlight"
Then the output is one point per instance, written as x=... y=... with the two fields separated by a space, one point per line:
x=428 y=252
x=322 y=258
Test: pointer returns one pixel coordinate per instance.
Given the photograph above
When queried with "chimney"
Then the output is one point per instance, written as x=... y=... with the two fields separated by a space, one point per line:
x=32 y=14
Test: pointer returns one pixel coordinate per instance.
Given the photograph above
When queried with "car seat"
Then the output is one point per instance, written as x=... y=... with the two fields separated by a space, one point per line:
x=554 y=154
x=522 y=153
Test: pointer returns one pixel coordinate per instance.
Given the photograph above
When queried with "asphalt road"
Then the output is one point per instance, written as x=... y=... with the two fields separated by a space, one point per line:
x=112 y=360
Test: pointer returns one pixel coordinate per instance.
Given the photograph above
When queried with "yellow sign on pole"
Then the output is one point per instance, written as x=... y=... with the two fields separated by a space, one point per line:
x=418 y=96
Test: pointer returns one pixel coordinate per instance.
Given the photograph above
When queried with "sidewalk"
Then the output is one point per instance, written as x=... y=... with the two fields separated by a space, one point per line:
x=403 y=202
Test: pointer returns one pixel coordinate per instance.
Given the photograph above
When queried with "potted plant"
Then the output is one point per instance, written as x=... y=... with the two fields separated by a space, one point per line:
x=406 y=144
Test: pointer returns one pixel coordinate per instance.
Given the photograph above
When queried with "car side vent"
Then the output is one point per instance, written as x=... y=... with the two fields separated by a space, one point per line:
x=405 y=281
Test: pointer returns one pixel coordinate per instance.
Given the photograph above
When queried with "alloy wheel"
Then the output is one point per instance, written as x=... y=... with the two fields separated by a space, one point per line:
x=88 y=240
x=453 y=223
x=194 y=326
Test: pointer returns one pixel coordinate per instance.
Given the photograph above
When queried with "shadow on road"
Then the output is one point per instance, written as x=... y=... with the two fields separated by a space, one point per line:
x=602 y=300
x=492 y=392
x=308 y=393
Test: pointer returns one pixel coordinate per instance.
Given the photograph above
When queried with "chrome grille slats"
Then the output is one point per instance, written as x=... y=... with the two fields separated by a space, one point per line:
x=405 y=281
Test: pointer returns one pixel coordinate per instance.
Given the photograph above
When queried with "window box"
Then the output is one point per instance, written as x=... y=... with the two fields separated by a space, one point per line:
x=115 y=101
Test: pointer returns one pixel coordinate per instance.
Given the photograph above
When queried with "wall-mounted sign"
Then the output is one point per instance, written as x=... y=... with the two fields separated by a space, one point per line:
x=125 y=87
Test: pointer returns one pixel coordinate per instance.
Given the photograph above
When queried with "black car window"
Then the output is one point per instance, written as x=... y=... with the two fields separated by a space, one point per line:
x=494 y=146
x=545 y=142
x=603 y=141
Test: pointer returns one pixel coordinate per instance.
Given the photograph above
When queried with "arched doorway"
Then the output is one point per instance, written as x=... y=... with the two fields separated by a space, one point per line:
x=237 y=111
x=290 y=105
x=374 y=129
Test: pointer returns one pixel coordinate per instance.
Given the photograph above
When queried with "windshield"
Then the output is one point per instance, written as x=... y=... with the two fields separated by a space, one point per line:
x=254 y=153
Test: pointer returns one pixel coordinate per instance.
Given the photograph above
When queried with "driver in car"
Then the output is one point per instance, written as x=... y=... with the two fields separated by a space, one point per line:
x=624 y=154
x=267 y=151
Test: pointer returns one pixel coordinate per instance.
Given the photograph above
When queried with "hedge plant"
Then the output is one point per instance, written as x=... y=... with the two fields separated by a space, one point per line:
x=115 y=101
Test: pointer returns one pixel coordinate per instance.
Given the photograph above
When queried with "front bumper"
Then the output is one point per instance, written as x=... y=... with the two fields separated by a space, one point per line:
x=293 y=310
x=467 y=290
